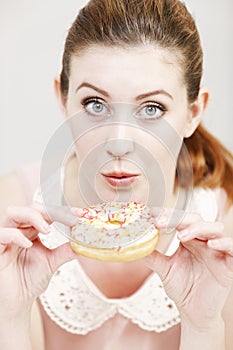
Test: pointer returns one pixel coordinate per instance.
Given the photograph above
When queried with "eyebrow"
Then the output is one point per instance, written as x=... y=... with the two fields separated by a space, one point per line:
x=155 y=92
x=139 y=97
x=88 y=85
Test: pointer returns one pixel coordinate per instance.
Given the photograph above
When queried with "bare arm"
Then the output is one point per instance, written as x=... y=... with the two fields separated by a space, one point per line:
x=14 y=334
x=199 y=277
x=219 y=336
x=228 y=308
x=26 y=267
x=212 y=338
x=27 y=333
x=37 y=333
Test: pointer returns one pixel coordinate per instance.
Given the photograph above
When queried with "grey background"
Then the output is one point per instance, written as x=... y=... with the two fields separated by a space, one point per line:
x=32 y=35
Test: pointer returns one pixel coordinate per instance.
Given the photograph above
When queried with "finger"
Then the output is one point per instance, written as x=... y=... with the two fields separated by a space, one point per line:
x=24 y=217
x=178 y=219
x=60 y=256
x=63 y=214
x=13 y=235
x=2 y=248
x=224 y=245
x=163 y=212
x=159 y=263
x=31 y=233
x=202 y=230
x=190 y=225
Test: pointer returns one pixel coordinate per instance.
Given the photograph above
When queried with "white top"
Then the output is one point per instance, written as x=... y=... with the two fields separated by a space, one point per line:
x=74 y=303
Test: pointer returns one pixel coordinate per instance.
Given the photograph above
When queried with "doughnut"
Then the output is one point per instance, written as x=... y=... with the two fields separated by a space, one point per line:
x=115 y=231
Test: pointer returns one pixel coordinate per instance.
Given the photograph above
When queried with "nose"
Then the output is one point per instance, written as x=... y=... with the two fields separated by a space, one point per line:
x=119 y=142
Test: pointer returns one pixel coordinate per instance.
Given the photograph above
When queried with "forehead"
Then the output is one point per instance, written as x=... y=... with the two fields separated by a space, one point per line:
x=134 y=66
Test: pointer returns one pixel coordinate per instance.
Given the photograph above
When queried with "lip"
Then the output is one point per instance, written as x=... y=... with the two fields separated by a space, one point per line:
x=120 y=179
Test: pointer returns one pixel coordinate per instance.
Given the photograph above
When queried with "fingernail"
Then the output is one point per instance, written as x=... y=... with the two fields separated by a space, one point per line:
x=76 y=211
x=214 y=243
x=2 y=248
x=27 y=243
x=45 y=226
x=162 y=220
x=182 y=235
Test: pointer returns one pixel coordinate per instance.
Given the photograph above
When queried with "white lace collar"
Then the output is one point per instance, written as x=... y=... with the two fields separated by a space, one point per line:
x=75 y=304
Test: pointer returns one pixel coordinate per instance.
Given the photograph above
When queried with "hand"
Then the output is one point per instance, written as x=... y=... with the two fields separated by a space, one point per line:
x=199 y=275
x=26 y=266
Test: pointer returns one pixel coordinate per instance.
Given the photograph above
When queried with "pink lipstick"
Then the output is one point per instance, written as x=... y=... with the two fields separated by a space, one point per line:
x=120 y=179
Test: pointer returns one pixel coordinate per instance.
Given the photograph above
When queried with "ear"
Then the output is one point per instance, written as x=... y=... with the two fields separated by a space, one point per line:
x=196 y=111
x=57 y=90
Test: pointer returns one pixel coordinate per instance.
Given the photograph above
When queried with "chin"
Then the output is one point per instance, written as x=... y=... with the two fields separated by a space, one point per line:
x=137 y=192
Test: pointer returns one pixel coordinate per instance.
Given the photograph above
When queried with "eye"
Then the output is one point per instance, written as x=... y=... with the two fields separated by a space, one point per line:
x=96 y=107
x=151 y=111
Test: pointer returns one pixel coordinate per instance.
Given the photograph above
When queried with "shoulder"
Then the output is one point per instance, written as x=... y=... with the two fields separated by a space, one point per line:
x=18 y=187
x=227 y=220
x=225 y=214
x=225 y=210
x=212 y=205
x=12 y=191
x=204 y=202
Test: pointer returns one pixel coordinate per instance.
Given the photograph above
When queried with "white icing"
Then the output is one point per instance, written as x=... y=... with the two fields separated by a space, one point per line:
x=100 y=226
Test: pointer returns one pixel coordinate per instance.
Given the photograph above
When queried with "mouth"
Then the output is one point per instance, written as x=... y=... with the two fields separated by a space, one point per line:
x=120 y=179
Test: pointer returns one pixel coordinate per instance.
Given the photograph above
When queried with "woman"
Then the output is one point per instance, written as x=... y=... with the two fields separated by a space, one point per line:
x=143 y=58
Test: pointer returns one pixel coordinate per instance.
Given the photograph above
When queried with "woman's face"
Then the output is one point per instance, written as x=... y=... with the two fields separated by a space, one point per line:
x=129 y=113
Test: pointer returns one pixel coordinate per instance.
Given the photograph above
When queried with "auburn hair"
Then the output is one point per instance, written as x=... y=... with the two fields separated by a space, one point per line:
x=166 y=24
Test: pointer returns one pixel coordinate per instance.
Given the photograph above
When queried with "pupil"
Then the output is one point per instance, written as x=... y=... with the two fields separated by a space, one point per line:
x=150 y=110
x=98 y=107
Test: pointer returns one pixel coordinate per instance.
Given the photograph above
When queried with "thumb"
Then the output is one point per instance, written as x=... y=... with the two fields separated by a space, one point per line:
x=159 y=263
x=60 y=256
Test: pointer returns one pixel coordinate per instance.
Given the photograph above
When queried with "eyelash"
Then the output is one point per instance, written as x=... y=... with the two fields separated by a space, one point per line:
x=92 y=99
x=86 y=101
x=157 y=105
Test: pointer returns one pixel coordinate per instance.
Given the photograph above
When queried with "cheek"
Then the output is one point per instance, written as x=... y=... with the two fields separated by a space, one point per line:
x=180 y=129
x=163 y=142
x=180 y=119
x=165 y=155
x=91 y=149
x=88 y=143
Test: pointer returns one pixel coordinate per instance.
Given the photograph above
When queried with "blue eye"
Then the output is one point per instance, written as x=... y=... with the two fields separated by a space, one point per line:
x=95 y=107
x=151 y=111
